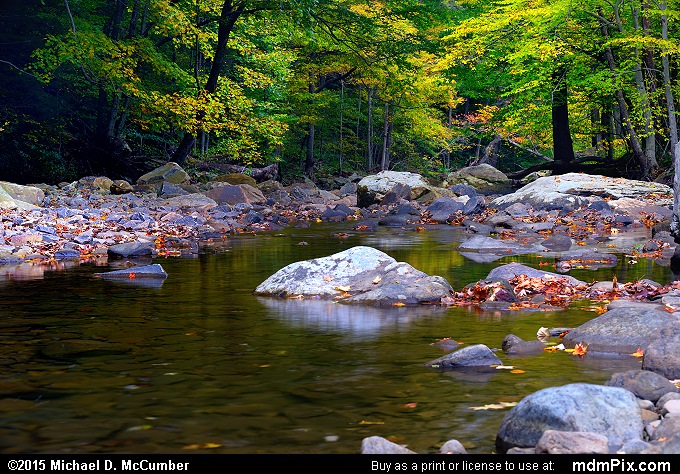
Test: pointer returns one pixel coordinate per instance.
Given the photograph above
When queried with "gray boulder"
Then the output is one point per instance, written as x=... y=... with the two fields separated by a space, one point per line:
x=16 y=196
x=136 y=248
x=484 y=178
x=573 y=190
x=452 y=446
x=235 y=194
x=442 y=208
x=477 y=355
x=621 y=330
x=609 y=411
x=643 y=383
x=357 y=275
x=170 y=172
x=371 y=189
x=380 y=445
x=571 y=442
x=663 y=354
x=516 y=346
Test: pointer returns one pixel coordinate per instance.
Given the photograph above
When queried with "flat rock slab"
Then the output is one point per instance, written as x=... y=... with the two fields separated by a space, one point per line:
x=154 y=271
x=357 y=275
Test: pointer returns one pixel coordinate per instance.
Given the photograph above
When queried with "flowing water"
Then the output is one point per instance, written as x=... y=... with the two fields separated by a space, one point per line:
x=198 y=364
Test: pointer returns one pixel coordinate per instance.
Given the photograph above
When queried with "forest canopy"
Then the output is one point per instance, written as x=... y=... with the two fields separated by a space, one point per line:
x=325 y=87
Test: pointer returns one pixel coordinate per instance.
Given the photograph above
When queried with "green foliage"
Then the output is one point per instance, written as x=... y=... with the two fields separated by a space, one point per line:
x=138 y=75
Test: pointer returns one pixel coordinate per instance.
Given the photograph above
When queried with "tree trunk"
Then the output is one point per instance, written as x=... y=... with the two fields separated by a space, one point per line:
x=369 y=130
x=649 y=136
x=309 y=155
x=490 y=155
x=670 y=102
x=384 y=160
x=647 y=164
x=228 y=16
x=563 y=147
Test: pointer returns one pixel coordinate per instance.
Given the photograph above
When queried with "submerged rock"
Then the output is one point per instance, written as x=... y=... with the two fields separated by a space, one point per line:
x=154 y=271
x=477 y=355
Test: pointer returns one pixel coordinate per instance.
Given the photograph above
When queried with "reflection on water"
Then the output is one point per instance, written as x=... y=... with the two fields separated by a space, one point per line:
x=199 y=364
x=357 y=321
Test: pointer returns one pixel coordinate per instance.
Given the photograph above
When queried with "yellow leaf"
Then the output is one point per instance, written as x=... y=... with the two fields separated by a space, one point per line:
x=342 y=288
x=376 y=280
x=638 y=353
x=203 y=446
x=398 y=303
x=517 y=371
x=495 y=406
x=364 y=422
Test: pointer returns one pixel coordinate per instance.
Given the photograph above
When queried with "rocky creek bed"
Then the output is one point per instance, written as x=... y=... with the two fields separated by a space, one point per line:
x=578 y=220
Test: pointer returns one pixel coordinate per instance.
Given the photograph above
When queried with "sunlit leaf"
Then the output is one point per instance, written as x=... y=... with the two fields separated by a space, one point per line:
x=495 y=406
x=203 y=446
x=638 y=353
x=580 y=350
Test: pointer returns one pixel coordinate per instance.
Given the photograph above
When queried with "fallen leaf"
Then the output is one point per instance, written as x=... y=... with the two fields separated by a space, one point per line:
x=580 y=350
x=377 y=279
x=203 y=446
x=342 y=288
x=495 y=406
x=638 y=353
x=409 y=405
x=327 y=278
x=364 y=422
x=398 y=303
x=517 y=371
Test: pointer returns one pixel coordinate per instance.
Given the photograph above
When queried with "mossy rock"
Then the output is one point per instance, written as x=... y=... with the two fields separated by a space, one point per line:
x=236 y=178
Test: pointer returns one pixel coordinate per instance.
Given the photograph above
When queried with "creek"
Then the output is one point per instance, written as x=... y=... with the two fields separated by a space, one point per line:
x=198 y=364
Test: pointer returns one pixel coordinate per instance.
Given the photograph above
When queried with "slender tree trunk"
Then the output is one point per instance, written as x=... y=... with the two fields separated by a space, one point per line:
x=563 y=147
x=309 y=155
x=228 y=17
x=647 y=164
x=670 y=102
x=369 y=130
x=649 y=136
x=386 y=125
x=342 y=105
x=447 y=151
x=675 y=144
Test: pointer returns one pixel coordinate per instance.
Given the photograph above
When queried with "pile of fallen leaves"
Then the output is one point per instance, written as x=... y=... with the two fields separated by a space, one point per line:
x=553 y=292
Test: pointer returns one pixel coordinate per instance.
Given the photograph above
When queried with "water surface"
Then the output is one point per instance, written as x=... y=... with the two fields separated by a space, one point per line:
x=199 y=364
